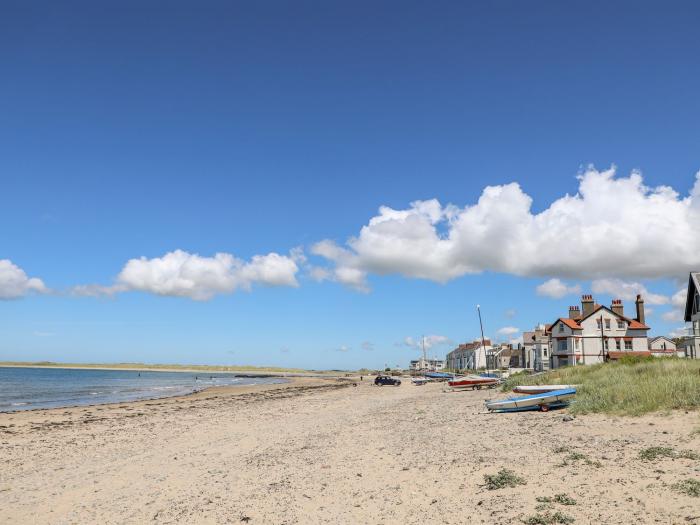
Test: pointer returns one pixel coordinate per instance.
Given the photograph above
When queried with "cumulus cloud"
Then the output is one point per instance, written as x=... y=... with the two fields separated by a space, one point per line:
x=677 y=314
x=430 y=341
x=182 y=274
x=612 y=227
x=508 y=330
x=627 y=290
x=14 y=282
x=556 y=289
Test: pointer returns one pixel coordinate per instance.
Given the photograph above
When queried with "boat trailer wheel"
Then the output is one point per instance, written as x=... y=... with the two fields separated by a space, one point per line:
x=544 y=408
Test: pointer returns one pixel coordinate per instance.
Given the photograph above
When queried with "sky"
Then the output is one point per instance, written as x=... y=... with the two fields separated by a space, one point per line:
x=320 y=184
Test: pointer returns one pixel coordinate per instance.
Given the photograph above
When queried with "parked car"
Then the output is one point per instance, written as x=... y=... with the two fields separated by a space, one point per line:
x=386 y=380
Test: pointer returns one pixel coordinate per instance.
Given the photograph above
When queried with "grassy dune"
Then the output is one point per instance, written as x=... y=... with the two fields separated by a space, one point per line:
x=626 y=388
x=143 y=366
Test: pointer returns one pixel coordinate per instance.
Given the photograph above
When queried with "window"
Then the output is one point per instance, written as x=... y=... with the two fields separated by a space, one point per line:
x=618 y=346
x=598 y=321
x=545 y=352
x=620 y=324
x=561 y=327
x=628 y=345
x=562 y=345
x=576 y=344
x=607 y=324
x=606 y=344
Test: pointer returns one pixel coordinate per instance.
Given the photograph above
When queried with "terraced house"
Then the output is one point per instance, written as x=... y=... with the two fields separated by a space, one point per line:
x=596 y=333
x=469 y=355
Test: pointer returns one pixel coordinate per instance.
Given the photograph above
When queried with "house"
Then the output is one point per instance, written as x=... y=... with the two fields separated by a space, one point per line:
x=660 y=346
x=432 y=365
x=535 y=350
x=690 y=344
x=504 y=355
x=595 y=334
x=469 y=355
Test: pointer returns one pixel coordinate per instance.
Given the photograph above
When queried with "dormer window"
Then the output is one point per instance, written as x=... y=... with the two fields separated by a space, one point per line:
x=561 y=327
x=620 y=324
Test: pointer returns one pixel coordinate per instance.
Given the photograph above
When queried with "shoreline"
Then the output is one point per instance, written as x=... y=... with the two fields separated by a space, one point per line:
x=222 y=390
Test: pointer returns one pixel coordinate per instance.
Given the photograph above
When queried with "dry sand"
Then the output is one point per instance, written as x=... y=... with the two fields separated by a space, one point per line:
x=320 y=451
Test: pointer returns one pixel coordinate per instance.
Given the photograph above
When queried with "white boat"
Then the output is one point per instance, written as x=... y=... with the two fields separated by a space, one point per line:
x=540 y=389
x=542 y=402
x=419 y=381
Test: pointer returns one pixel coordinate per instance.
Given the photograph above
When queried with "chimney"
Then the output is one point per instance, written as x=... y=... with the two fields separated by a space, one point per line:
x=640 y=308
x=574 y=312
x=587 y=305
x=617 y=307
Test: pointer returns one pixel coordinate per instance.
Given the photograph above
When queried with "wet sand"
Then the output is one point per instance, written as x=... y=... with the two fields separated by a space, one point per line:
x=321 y=451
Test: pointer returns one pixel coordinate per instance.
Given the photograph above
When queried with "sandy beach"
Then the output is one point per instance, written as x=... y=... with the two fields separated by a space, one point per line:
x=323 y=451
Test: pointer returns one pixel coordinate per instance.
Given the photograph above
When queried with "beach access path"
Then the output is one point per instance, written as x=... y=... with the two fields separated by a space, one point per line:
x=320 y=451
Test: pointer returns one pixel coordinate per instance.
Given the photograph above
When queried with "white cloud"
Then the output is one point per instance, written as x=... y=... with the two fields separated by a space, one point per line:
x=556 y=289
x=343 y=348
x=677 y=314
x=367 y=345
x=508 y=330
x=430 y=341
x=627 y=290
x=679 y=331
x=14 y=282
x=182 y=274
x=612 y=227
x=510 y=313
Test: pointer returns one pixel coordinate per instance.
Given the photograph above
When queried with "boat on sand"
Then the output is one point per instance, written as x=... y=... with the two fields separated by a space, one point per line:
x=543 y=402
x=540 y=389
x=473 y=382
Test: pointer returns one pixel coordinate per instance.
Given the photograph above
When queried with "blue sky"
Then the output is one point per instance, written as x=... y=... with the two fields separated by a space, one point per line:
x=131 y=131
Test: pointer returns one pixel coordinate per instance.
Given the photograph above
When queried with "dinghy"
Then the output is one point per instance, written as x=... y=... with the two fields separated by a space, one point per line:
x=419 y=381
x=473 y=382
x=540 y=389
x=543 y=402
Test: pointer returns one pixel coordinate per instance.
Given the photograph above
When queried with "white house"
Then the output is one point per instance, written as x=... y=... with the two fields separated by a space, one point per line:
x=596 y=333
x=536 y=350
x=469 y=355
x=432 y=365
x=690 y=345
x=660 y=346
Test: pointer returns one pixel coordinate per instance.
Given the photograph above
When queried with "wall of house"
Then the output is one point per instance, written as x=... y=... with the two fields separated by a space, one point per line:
x=658 y=344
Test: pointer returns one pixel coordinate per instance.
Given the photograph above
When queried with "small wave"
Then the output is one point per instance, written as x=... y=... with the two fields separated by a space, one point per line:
x=18 y=404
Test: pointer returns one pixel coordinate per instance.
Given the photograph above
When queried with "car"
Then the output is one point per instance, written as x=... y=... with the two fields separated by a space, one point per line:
x=387 y=380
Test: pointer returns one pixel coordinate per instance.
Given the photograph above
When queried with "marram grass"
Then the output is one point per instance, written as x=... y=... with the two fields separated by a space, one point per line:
x=626 y=388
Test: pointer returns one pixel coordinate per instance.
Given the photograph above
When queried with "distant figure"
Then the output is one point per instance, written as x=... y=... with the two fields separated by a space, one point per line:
x=360 y=378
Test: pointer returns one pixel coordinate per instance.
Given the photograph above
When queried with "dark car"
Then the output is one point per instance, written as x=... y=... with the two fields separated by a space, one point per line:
x=386 y=380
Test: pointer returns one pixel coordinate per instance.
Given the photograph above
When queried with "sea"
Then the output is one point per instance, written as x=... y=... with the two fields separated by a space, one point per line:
x=31 y=388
